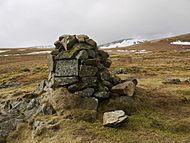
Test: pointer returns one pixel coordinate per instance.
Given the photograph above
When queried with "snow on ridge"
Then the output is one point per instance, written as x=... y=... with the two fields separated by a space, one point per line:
x=180 y=43
x=122 y=43
x=2 y=51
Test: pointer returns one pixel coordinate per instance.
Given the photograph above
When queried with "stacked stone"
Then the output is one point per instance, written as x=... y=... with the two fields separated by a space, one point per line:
x=77 y=64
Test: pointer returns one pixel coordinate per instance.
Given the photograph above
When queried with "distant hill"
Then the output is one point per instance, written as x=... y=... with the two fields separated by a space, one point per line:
x=183 y=38
x=177 y=43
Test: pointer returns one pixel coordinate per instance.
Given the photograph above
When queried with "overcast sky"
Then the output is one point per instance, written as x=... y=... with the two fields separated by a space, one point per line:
x=40 y=22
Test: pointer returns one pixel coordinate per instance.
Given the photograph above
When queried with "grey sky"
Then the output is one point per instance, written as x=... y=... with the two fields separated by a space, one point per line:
x=40 y=22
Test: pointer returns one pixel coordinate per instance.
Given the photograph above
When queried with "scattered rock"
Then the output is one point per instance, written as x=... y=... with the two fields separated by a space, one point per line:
x=8 y=124
x=9 y=84
x=126 y=70
x=114 y=118
x=48 y=109
x=172 y=81
x=187 y=81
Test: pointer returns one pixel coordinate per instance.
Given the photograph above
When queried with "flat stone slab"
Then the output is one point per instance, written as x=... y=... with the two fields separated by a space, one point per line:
x=114 y=118
x=66 y=68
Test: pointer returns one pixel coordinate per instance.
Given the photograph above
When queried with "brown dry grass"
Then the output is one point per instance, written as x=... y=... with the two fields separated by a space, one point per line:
x=165 y=118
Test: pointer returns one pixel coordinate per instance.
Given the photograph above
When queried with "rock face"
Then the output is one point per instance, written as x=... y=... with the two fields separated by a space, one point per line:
x=114 y=118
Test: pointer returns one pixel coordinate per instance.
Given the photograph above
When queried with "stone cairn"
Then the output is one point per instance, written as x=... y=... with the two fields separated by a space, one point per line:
x=77 y=64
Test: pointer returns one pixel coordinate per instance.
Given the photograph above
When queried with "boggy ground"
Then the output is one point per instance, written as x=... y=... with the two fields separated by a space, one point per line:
x=163 y=116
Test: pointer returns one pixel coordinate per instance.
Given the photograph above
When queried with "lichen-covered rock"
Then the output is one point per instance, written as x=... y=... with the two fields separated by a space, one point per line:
x=114 y=118
x=66 y=54
x=102 y=95
x=126 y=88
x=105 y=75
x=88 y=92
x=66 y=68
x=87 y=71
x=82 y=46
x=107 y=63
x=63 y=81
x=90 y=81
x=8 y=124
x=103 y=54
x=68 y=41
x=187 y=81
x=172 y=81
x=62 y=100
x=93 y=62
x=91 y=42
x=50 y=63
x=77 y=87
x=57 y=44
x=82 y=38
x=82 y=55
x=47 y=109
x=107 y=84
x=41 y=87
x=91 y=53
x=115 y=80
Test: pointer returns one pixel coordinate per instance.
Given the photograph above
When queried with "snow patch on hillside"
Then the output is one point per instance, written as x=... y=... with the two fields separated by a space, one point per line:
x=2 y=51
x=180 y=43
x=122 y=43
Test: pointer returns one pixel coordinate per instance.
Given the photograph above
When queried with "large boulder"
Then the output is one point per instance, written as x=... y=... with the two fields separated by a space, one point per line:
x=114 y=118
x=62 y=100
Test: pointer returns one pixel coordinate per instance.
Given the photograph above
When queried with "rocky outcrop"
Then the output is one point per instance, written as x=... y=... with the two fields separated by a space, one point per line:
x=176 y=81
